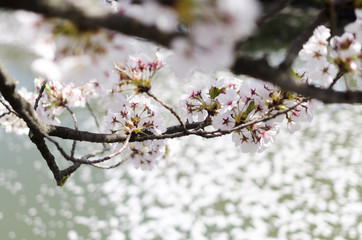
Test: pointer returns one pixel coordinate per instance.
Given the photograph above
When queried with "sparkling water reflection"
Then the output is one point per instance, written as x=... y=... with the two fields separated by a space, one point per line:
x=306 y=186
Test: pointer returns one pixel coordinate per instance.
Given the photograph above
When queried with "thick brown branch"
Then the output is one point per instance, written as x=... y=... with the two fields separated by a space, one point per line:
x=50 y=159
x=69 y=171
x=87 y=18
x=22 y=108
x=47 y=155
x=37 y=128
x=261 y=69
x=68 y=133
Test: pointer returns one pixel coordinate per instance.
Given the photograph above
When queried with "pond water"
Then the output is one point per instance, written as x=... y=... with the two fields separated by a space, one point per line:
x=307 y=185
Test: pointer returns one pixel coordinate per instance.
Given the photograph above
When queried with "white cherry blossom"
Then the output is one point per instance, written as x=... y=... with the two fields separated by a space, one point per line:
x=228 y=99
x=223 y=121
x=324 y=74
x=10 y=121
x=137 y=115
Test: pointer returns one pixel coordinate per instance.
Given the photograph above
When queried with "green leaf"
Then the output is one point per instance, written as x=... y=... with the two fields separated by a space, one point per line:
x=64 y=180
x=250 y=108
x=214 y=92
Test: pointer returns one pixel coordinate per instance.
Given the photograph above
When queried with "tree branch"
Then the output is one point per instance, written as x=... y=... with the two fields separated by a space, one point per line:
x=47 y=155
x=75 y=127
x=261 y=69
x=71 y=134
x=7 y=107
x=168 y=108
x=277 y=7
x=22 y=108
x=87 y=18
x=37 y=128
x=41 y=90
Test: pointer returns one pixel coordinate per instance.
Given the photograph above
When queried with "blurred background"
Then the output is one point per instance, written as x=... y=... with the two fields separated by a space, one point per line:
x=307 y=185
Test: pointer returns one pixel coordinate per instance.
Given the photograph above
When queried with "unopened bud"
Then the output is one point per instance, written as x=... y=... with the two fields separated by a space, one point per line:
x=282 y=107
x=130 y=123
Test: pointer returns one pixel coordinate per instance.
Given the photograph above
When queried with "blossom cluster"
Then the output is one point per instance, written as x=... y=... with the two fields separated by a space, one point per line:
x=229 y=103
x=138 y=73
x=325 y=58
x=137 y=115
x=57 y=96
x=79 y=64
x=54 y=99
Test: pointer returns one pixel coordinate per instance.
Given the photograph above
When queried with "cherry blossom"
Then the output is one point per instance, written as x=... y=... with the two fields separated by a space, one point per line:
x=76 y=65
x=315 y=50
x=232 y=102
x=224 y=121
x=145 y=154
x=9 y=120
x=194 y=105
x=324 y=74
x=346 y=46
x=57 y=96
x=347 y=52
x=325 y=59
x=228 y=99
x=137 y=115
x=301 y=113
x=138 y=72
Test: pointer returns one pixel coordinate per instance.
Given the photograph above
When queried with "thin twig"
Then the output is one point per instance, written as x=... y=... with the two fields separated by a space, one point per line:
x=168 y=108
x=70 y=170
x=4 y=114
x=84 y=161
x=40 y=94
x=277 y=7
x=93 y=115
x=8 y=108
x=95 y=120
x=111 y=166
x=96 y=152
x=337 y=77
x=75 y=127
